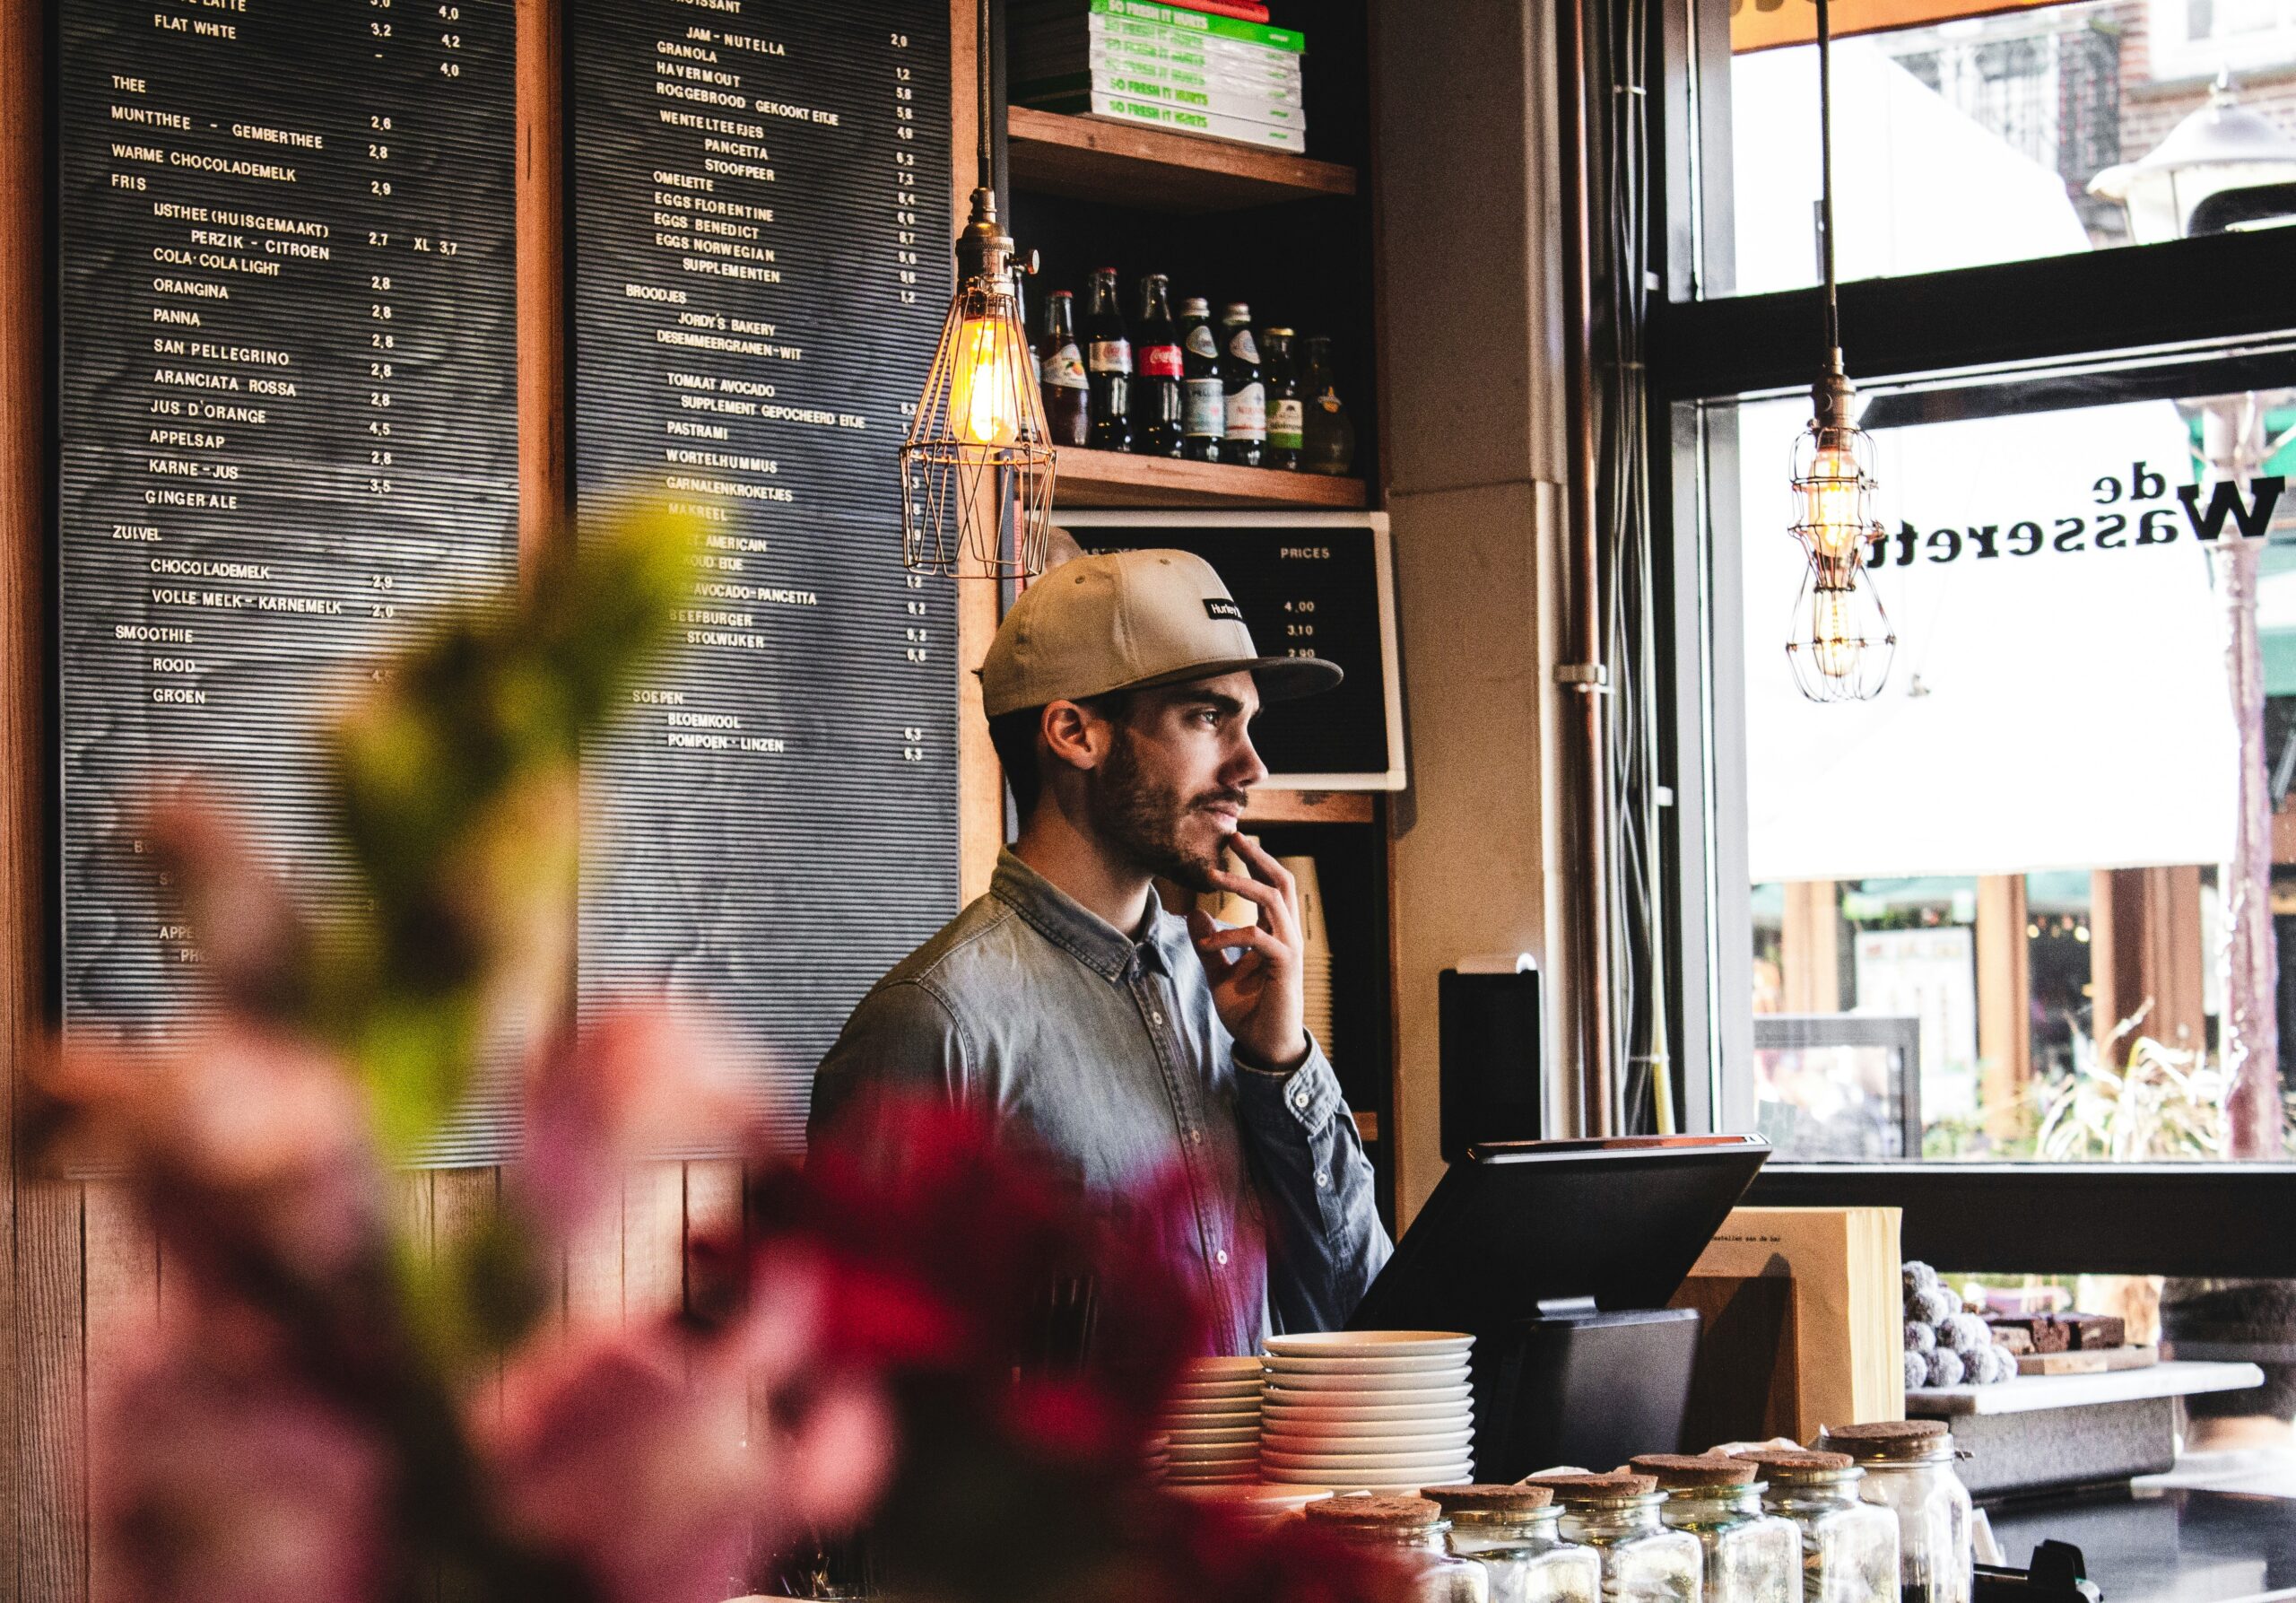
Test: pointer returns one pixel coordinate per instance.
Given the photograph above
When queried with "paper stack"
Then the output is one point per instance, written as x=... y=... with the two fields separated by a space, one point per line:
x=1167 y=66
x=1316 y=981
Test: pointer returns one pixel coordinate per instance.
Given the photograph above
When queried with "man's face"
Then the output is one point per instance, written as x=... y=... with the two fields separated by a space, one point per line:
x=1172 y=789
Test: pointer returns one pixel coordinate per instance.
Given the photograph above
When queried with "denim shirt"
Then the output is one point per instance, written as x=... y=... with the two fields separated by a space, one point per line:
x=1109 y=1048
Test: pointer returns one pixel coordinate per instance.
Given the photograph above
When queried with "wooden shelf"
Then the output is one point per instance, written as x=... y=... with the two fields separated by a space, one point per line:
x=1308 y=806
x=1093 y=158
x=1088 y=478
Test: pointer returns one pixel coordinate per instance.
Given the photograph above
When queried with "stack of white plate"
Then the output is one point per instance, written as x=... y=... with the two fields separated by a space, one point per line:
x=1316 y=955
x=1211 y=1422
x=1255 y=1504
x=1368 y=1410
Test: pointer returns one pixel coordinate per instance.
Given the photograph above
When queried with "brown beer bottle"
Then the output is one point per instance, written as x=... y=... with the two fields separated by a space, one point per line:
x=1108 y=366
x=1067 y=395
x=1327 y=435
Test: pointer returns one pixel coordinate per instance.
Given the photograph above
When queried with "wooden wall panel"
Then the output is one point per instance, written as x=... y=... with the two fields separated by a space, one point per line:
x=51 y=1360
x=123 y=1298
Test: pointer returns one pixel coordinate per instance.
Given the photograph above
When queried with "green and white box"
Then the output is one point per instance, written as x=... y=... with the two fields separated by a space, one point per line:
x=1131 y=108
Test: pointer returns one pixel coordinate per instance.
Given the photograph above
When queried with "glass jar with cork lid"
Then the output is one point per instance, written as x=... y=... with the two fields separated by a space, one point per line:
x=1751 y=1555
x=1643 y=1559
x=1409 y=1531
x=1850 y=1546
x=1909 y=1465
x=1511 y=1532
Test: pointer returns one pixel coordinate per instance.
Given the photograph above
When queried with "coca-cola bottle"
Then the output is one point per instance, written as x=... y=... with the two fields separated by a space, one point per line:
x=1156 y=386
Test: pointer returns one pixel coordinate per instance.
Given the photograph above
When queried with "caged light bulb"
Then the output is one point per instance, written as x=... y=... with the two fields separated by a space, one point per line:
x=1842 y=643
x=977 y=468
x=1832 y=490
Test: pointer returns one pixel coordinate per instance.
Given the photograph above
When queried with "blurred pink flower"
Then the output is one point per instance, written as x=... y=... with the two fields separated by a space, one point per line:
x=243 y=1142
x=639 y=1082
x=221 y=1479
x=658 y=1483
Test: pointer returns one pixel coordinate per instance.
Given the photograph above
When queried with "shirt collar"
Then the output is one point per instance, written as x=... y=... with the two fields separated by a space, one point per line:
x=1081 y=933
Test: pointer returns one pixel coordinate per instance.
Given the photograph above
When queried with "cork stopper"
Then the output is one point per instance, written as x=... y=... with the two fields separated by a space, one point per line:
x=1381 y=1513
x=1620 y=1487
x=1485 y=1497
x=1793 y=1463
x=1898 y=1439
x=1682 y=1472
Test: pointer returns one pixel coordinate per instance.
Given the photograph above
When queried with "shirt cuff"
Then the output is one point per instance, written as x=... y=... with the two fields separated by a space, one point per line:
x=1305 y=1097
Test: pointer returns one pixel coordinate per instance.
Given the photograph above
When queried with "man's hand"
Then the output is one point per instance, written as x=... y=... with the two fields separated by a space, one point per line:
x=1255 y=971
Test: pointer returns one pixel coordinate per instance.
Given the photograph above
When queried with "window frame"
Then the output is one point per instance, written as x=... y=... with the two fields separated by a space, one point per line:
x=1704 y=346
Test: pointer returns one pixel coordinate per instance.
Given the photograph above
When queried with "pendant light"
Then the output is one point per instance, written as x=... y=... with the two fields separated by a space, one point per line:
x=1840 y=643
x=977 y=468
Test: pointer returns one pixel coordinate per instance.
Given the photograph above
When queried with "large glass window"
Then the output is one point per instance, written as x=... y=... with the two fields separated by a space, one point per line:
x=1986 y=914
x=1962 y=140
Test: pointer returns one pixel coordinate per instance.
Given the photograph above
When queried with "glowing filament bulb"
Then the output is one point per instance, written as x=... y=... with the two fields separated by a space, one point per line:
x=1832 y=498
x=1835 y=642
x=985 y=390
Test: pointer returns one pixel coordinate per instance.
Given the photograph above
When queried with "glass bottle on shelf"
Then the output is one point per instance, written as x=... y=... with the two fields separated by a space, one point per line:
x=1909 y=1465
x=1410 y=1530
x=1108 y=366
x=1751 y=1555
x=1244 y=441
x=1850 y=1546
x=1644 y=1559
x=1285 y=413
x=1156 y=399
x=1327 y=434
x=1204 y=400
x=1060 y=363
x=1510 y=1531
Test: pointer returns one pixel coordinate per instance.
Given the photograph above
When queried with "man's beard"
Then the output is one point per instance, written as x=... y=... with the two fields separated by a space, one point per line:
x=1142 y=817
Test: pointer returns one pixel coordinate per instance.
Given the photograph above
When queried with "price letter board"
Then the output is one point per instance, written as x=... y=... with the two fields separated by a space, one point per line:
x=761 y=264
x=1317 y=584
x=287 y=407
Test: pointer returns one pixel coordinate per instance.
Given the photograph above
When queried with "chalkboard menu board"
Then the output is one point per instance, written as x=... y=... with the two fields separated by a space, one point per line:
x=1313 y=584
x=760 y=240
x=286 y=400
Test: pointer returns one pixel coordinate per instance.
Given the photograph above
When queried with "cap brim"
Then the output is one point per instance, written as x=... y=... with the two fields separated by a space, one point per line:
x=1279 y=678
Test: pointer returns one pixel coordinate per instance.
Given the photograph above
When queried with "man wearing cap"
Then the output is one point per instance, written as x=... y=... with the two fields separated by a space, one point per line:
x=1133 y=1044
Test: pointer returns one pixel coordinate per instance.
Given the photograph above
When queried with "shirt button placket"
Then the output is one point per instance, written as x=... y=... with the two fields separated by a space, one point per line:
x=1143 y=991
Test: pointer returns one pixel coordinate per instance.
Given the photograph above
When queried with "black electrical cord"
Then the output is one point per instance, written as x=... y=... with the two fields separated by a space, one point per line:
x=1619 y=74
x=1825 y=179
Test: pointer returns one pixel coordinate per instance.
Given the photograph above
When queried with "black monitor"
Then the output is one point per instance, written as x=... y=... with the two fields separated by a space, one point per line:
x=1519 y=1223
x=1559 y=1257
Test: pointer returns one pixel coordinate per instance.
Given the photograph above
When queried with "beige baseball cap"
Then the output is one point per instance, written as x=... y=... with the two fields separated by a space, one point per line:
x=1127 y=620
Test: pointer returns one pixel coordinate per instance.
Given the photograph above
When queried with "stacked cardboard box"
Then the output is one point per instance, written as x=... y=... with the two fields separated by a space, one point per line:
x=1167 y=66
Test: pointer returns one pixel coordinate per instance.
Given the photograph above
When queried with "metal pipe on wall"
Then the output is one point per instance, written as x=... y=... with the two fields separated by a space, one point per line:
x=1587 y=1035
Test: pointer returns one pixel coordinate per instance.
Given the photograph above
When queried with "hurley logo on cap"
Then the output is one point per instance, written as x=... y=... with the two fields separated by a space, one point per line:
x=1220 y=606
